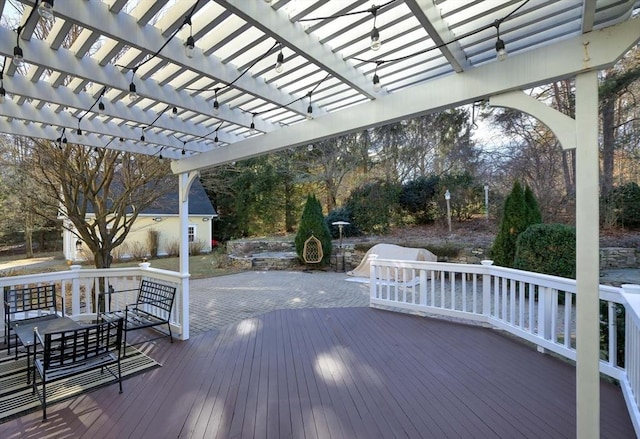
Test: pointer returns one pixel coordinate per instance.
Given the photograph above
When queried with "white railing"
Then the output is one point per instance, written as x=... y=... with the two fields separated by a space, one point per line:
x=80 y=290
x=536 y=307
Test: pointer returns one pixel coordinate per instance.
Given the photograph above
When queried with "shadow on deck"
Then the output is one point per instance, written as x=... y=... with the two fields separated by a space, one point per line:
x=336 y=373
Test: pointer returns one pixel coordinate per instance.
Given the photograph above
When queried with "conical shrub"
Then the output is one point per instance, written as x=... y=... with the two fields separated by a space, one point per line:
x=312 y=223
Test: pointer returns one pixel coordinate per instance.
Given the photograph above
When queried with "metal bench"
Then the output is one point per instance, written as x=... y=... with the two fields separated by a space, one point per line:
x=152 y=308
x=72 y=352
x=28 y=305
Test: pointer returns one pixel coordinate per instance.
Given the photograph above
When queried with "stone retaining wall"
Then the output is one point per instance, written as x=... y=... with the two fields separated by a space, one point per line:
x=246 y=254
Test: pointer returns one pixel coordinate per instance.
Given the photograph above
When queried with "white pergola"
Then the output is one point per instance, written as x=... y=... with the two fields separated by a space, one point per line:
x=435 y=54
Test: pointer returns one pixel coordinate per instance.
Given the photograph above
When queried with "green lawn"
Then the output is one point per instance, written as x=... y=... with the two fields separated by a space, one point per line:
x=200 y=266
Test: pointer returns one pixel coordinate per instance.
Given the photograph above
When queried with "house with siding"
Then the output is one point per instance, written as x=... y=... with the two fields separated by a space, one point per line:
x=161 y=217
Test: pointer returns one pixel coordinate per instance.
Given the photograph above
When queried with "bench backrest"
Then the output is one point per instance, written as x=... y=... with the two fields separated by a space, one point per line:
x=156 y=295
x=79 y=346
x=24 y=300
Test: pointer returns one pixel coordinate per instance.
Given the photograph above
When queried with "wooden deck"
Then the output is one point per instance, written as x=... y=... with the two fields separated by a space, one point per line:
x=336 y=373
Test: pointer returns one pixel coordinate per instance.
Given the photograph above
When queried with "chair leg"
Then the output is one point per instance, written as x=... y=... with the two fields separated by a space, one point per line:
x=119 y=376
x=170 y=335
x=44 y=399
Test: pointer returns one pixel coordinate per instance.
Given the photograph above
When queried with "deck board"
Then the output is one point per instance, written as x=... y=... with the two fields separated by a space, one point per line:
x=336 y=373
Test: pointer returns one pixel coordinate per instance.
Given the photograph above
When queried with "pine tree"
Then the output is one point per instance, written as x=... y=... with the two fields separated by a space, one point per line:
x=515 y=219
x=312 y=223
x=533 y=209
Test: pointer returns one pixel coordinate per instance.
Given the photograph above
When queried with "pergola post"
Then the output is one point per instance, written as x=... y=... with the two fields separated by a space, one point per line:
x=185 y=180
x=580 y=133
x=587 y=258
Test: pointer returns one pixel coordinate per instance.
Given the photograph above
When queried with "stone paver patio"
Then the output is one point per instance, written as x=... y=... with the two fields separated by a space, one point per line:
x=220 y=301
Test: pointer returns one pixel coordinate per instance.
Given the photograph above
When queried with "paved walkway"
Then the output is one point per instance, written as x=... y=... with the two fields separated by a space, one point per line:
x=220 y=301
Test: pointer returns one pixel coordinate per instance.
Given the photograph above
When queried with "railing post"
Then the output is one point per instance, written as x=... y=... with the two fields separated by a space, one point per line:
x=486 y=289
x=75 y=290
x=372 y=277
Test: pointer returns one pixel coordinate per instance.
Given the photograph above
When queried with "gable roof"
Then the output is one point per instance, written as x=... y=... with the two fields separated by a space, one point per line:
x=199 y=203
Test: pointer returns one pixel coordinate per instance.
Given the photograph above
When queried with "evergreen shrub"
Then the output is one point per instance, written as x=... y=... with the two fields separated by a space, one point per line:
x=374 y=206
x=548 y=249
x=342 y=214
x=518 y=213
x=313 y=223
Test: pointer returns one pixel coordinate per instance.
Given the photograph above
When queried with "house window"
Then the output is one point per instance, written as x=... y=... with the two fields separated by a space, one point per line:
x=192 y=233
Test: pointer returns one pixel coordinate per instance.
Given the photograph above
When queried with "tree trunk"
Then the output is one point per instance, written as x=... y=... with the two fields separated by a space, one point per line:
x=608 y=145
x=568 y=170
x=28 y=235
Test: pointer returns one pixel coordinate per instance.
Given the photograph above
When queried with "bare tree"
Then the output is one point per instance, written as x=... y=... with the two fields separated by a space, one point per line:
x=100 y=192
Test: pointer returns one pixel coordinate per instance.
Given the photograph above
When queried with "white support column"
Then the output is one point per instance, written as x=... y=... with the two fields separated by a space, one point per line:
x=184 y=183
x=587 y=258
x=581 y=133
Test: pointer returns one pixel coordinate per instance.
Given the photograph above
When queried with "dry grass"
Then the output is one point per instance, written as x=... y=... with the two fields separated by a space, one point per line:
x=200 y=266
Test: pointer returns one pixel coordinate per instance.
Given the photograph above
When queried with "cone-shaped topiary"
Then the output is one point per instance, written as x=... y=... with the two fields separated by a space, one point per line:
x=313 y=223
x=518 y=214
x=533 y=210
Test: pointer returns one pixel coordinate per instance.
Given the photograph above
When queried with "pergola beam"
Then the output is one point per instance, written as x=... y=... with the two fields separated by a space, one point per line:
x=97 y=17
x=292 y=35
x=592 y=51
x=426 y=13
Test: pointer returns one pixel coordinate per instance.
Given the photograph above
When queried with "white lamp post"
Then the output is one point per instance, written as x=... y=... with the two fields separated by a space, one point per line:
x=447 y=196
x=486 y=200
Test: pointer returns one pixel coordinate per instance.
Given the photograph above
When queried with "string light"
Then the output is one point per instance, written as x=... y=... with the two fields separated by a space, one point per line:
x=279 y=61
x=3 y=92
x=501 y=51
x=216 y=105
x=309 y=109
x=375 y=34
x=133 y=94
x=142 y=136
x=190 y=45
x=252 y=127
x=18 y=56
x=376 y=79
x=45 y=9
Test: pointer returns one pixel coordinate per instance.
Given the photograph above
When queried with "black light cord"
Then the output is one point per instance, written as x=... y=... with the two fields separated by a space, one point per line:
x=371 y=10
x=187 y=20
x=495 y=24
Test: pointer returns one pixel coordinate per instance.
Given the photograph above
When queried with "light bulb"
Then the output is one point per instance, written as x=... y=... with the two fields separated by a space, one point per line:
x=309 y=112
x=142 y=138
x=100 y=107
x=183 y=151
x=18 y=57
x=279 y=63
x=3 y=94
x=376 y=83
x=216 y=106
x=79 y=132
x=252 y=128
x=375 y=39
x=45 y=9
x=501 y=52
x=160 y=156
x=216 y=139
x=174 y=112
x=133 y=95
x=189 y=46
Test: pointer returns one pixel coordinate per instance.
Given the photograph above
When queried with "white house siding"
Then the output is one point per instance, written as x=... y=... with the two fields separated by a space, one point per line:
x=168 y=227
